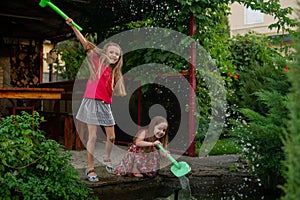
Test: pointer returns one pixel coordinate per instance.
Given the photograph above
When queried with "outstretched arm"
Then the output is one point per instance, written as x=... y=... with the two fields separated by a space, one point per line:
x=78 y=34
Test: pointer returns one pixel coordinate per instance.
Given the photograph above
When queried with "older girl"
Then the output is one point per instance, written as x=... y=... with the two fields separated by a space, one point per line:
x=95 y=110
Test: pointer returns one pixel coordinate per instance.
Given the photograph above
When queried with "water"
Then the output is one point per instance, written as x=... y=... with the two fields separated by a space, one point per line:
x=182 y=193
x=185 y=183
x=185 y=192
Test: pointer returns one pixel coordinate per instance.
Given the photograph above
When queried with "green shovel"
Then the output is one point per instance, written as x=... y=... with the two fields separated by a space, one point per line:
x=179 y=169
x=44 y=3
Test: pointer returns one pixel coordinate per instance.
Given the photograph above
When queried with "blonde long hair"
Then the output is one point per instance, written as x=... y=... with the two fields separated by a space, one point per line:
x=116 y=72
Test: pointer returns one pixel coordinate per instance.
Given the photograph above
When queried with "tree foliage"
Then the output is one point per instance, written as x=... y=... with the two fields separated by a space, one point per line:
x=291 y=138
x=211 y=21
x=261 y=95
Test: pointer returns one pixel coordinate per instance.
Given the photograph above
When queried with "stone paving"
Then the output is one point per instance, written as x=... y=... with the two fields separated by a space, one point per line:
x=79 y=158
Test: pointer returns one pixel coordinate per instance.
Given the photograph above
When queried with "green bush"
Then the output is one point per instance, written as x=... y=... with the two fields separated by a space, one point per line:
x=261 y=95
x=226 y=146
x=32 y=167
x=291 y=138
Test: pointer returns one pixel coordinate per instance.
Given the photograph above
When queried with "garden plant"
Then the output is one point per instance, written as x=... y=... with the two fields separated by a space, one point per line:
x=291 y=138
x=33 y=167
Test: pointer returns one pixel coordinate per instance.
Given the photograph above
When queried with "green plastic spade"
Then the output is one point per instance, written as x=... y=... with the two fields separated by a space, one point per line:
x=179 y=169
x=44 y=3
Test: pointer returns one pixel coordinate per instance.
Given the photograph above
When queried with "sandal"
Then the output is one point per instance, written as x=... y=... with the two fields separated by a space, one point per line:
x=91 y=178
x=108 y=165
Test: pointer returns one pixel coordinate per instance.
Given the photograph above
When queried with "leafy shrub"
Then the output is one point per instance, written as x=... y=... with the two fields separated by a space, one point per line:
x=291 y=138
x=32 y=167
x=226 y=146
x=260 y=100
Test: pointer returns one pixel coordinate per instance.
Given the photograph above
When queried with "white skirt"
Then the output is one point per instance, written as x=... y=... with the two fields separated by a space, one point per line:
x=95 y=112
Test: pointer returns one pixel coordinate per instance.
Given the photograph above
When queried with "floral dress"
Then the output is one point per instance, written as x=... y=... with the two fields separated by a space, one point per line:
x=146 y=163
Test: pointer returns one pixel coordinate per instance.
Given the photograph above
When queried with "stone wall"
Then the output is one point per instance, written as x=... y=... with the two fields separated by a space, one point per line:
x=4 y=72
x=19 y=67
x=24 y=65
x=4 y=82
x=1 y=77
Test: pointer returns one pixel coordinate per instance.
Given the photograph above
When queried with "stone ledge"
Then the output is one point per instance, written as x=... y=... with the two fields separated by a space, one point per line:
x=217 y=175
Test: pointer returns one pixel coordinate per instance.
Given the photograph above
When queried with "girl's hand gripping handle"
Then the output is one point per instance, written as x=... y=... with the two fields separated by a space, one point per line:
x=169 y=156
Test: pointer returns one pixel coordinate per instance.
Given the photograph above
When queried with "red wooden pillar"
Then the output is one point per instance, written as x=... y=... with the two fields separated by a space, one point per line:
x=139 y=105
x=192 y=96
x=79 y=135
x=68 y=132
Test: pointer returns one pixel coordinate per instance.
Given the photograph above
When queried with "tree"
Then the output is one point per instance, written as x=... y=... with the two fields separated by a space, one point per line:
x=260 y=112
x=291 y=139
x=210 y=15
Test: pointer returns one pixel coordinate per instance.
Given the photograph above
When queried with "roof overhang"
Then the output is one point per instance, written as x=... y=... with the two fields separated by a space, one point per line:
x=26 y=19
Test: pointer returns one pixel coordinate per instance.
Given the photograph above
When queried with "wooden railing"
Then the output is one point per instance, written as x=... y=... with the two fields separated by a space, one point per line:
x=53 y=110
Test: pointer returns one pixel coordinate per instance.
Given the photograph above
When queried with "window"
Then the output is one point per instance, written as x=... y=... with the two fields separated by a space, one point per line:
x=253 y=16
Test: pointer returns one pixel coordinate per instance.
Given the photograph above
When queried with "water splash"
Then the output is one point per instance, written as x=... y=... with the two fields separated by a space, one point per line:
x=185 y=192
x=181 y=193
x=185 y=183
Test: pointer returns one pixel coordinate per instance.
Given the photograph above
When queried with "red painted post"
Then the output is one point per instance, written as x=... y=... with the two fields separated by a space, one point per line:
x=192 y=96
x=139 y=105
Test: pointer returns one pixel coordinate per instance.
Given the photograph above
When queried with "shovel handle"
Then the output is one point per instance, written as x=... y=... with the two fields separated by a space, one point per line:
x=61 y=13
x=169 y=156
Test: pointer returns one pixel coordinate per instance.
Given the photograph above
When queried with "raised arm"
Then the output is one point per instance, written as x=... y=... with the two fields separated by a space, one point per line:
x=78 y=34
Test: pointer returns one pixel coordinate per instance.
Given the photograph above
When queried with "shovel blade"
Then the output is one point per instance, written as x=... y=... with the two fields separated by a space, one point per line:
x=180 y=170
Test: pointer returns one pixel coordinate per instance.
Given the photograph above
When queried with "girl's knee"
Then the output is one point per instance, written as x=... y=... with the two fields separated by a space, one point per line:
x=111 y=138
x=92 y=138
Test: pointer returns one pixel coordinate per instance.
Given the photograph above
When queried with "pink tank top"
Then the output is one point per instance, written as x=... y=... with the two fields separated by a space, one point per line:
x=100 y=89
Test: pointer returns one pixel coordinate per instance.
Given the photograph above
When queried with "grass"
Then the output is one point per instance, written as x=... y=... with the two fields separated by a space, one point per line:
x=224 y=146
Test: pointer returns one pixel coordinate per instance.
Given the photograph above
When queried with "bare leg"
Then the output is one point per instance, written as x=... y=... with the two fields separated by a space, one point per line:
x=90 y=146
x=110 y=140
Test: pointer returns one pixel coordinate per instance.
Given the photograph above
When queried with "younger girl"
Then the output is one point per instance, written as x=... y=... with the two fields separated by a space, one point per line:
x=143 y=156
x=105 y=79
